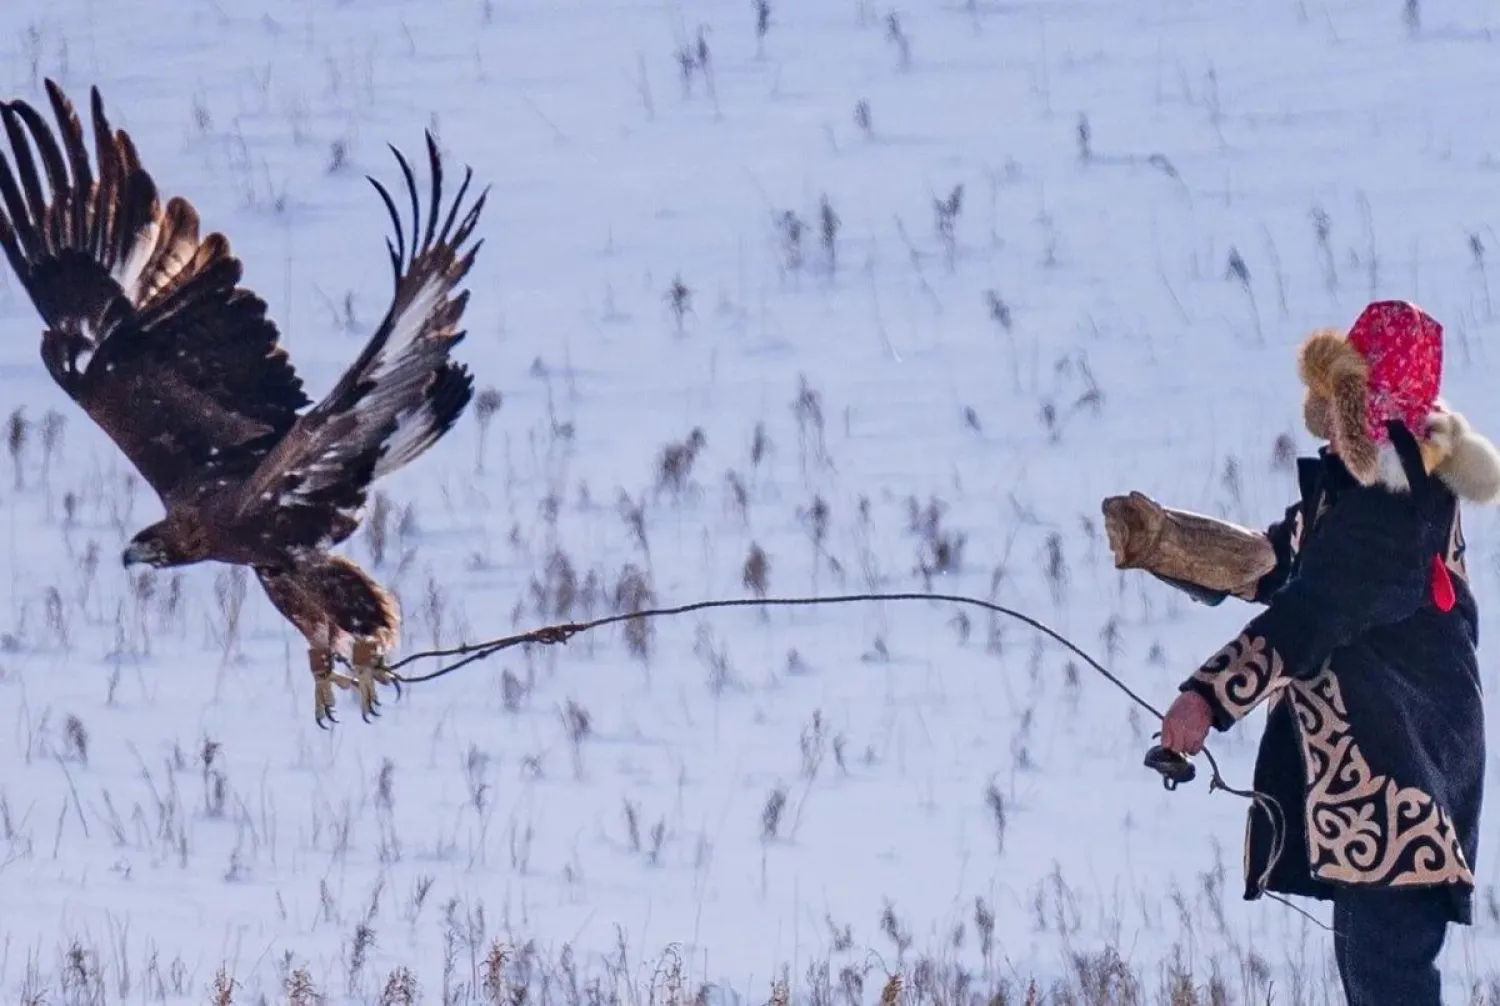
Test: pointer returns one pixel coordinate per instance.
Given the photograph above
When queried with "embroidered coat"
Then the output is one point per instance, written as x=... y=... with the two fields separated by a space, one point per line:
x=1374 y=746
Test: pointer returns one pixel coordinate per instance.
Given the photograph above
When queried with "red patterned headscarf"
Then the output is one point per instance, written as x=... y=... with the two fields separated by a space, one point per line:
x=1403 y=347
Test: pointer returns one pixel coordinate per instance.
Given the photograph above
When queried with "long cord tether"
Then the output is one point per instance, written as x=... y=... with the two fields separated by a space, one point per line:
x=562 y=632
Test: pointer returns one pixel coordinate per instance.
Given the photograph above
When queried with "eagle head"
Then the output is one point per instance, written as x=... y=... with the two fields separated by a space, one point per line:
x=146 y=548
x=163 y=544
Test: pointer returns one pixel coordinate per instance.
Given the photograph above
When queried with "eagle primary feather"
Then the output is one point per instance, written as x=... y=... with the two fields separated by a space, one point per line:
x=146 y=328
x=149 y=330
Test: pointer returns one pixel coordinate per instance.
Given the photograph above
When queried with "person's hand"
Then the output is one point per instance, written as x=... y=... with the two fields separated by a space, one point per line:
x=1185 y=727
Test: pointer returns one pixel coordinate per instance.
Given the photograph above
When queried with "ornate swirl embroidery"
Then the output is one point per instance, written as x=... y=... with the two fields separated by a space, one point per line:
x=1363 y=827
x=1242 y=674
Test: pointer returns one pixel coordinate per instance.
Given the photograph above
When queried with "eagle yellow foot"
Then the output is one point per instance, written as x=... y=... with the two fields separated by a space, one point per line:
x=324 y=678
x=370 y=672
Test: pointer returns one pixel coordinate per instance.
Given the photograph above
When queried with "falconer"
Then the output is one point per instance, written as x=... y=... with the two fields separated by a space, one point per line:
x=1374 y=742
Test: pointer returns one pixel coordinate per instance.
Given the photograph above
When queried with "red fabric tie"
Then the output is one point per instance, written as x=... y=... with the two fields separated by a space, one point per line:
x=1442 y=586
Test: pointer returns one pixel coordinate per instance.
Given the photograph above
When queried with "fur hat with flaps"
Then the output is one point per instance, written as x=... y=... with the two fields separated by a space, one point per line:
x=1390 y=367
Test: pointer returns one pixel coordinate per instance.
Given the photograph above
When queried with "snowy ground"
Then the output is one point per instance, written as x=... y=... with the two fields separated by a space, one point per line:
x=874 y=789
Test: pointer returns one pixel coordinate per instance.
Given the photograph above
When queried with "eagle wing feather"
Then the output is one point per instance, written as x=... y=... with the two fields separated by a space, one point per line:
x=399 y=396
x=148 y=329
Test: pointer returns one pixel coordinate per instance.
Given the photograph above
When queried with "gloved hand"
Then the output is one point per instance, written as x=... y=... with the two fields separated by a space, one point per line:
x=1134 y=525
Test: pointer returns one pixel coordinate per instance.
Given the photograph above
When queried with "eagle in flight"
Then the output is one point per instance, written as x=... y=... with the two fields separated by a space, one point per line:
x=149 y=331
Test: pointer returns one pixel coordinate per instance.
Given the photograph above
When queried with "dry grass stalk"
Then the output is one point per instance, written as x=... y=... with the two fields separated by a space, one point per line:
x=221 y=992
x=493 y=983
x=400 y=989
x=17 y=435
x=633 y=593
x=757 y=572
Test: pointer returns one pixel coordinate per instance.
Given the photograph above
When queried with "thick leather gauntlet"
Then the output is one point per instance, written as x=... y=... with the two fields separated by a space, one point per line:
x=1187 y=550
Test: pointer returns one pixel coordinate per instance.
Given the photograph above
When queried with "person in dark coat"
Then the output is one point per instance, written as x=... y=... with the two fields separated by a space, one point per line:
x=1373 y=753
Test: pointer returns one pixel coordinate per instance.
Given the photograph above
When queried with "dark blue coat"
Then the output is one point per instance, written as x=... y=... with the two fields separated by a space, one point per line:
x=1374 y=747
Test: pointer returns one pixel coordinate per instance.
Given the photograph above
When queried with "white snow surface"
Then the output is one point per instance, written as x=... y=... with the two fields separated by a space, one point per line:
x=1217 y=129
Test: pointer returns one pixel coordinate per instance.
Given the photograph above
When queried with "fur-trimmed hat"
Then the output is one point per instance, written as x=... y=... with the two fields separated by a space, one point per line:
x=1389 y=367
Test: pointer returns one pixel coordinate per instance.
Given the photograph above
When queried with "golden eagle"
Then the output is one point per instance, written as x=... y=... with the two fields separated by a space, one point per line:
x=148 y=329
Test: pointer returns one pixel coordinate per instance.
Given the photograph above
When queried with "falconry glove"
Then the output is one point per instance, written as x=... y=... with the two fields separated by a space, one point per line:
x=1207 y=558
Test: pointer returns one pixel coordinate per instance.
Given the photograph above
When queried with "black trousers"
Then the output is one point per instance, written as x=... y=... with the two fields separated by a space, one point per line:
x=1386 y=943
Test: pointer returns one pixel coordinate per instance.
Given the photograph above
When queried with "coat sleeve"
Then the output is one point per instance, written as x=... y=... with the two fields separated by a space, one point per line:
x=1283 y=536
x=1361 y=570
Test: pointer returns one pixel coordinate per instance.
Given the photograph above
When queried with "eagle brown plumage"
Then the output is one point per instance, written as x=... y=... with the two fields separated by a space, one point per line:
x=149 y=331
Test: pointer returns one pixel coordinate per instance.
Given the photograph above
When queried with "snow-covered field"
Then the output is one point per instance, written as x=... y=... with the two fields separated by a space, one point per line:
x=1072 y=246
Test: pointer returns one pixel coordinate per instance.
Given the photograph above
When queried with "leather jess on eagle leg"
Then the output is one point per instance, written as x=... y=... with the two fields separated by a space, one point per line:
x=1186 y=548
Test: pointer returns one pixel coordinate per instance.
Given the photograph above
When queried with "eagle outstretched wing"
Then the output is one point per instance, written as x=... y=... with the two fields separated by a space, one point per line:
x=147 y=327
x=401 y=394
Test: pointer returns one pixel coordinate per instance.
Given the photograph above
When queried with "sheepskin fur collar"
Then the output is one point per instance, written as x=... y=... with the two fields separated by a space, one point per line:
x=1336 y=378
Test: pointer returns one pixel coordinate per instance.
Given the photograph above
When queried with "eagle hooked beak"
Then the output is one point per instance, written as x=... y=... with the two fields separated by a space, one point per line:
x=141 y=552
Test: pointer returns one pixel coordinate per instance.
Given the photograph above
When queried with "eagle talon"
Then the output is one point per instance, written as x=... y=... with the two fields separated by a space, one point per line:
x=320 y=661
x=371 y=672
x=323 y=706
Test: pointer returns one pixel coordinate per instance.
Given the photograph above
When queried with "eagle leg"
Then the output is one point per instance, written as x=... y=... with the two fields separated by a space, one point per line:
x=320 y=661
x=370 y=671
